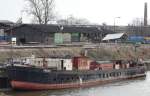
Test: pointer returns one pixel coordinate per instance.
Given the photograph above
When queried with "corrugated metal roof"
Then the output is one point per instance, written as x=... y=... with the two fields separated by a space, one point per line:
x=56 y=28
x=6 y=22
x=113 y=36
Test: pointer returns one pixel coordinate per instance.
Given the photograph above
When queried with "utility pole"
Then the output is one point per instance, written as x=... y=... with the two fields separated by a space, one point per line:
x=115 y=23
x=145 y=19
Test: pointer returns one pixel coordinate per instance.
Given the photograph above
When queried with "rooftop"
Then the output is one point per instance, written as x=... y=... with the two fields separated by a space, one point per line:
x=113 y=36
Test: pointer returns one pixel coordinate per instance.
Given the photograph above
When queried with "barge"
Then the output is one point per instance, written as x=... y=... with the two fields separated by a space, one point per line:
x=80 y=73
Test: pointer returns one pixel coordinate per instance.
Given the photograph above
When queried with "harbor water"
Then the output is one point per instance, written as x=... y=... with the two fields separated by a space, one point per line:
x=136 y=87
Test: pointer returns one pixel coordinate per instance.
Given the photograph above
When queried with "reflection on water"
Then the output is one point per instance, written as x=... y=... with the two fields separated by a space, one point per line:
x=136 y=87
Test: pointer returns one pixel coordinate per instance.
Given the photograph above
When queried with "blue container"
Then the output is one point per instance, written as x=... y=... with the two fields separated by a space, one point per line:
x=2 y=37
x=136 y=39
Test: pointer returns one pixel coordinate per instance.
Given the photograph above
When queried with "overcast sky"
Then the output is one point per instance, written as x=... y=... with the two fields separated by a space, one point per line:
x=96 y=11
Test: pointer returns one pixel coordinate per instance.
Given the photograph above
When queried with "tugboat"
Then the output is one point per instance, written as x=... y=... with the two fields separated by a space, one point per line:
x=61 y=73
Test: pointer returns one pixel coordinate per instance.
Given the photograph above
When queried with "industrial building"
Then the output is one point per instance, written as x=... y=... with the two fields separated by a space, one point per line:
x=56 y=34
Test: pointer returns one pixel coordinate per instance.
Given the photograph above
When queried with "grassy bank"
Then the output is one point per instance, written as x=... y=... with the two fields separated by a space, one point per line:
x=101 y=52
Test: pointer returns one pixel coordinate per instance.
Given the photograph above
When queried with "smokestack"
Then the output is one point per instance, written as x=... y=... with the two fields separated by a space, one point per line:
x=145 y=14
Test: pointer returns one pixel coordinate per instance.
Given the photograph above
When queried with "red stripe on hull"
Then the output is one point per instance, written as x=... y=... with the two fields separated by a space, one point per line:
x=36 y=86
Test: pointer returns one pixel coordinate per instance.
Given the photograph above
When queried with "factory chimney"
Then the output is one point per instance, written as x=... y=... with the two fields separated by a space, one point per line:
x=145 y=14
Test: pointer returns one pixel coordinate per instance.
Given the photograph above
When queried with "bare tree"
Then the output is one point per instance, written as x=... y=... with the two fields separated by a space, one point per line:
x=41 y=10
x=136 y=27
x=71 y=20
x=137 y=22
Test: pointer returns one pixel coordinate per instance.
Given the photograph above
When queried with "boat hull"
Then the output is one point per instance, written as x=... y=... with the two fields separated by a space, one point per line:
x=65 y=80
x=20 y=85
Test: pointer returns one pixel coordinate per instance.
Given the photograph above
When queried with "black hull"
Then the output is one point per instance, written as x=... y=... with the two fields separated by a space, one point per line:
x=4 y=81
x=28 y=78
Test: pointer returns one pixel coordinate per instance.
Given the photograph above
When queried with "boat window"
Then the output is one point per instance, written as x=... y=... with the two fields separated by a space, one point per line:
x=118 y=74
x=113 y=74
x=110 y=74
x=99 y=75
x=72 y=78
x=103 y=75
x=126 y=73
x=62 y=79
x=68 y=78
x=54 y=79
x=86 y=76
x=107 y=75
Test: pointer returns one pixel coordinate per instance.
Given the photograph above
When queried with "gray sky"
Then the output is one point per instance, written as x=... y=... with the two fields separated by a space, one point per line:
x=96 y=11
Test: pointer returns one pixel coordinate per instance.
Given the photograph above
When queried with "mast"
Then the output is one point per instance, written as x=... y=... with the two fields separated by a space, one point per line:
x=11 y=47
